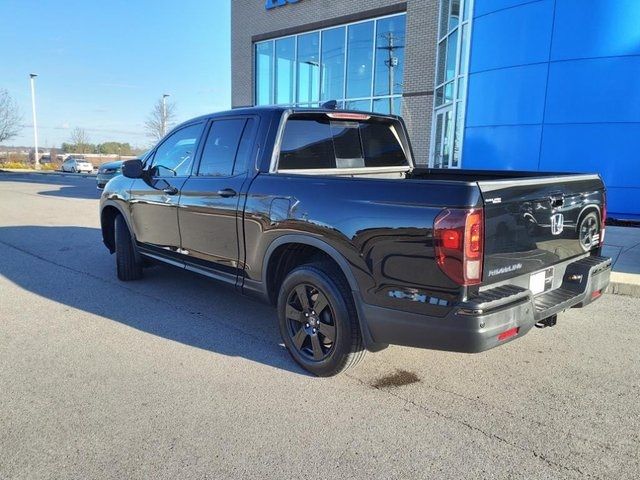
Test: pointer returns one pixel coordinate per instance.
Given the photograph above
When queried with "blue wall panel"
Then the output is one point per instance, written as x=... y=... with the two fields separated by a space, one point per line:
x=499 y=148
x=508 y=96
x=610 y=149
x=597 y=28
x=594 y=90
x=512 y=37
x=576 y=110
x=482 y=7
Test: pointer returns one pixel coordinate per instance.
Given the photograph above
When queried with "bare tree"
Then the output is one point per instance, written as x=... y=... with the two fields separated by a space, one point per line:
x=80 y=140
x=160 y=120
x=10 y=117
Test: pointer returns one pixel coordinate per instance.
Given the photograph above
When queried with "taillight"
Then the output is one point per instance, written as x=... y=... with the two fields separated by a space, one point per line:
x=459 y=244
x=604 y=218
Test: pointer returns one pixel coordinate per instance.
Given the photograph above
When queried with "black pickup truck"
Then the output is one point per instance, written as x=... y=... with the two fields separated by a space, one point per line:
x=325 y=214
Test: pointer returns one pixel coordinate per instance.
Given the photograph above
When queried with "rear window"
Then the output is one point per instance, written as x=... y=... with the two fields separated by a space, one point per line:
x=317 y=142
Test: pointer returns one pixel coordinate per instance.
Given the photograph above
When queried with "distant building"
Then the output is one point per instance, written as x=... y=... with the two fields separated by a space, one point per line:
x=547 y=85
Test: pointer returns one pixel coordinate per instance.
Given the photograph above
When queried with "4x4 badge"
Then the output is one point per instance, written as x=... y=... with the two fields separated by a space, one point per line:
x=557 y=223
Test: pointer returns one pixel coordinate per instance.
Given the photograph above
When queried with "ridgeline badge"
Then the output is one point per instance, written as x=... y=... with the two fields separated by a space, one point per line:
x=269 y=4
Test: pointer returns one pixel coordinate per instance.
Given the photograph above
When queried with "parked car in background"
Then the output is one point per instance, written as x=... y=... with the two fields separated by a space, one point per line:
x=107 y=171
x=76 y=165
x=324 y=214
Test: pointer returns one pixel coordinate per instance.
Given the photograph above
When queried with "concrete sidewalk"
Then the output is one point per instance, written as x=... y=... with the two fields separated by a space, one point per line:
x=622 y=244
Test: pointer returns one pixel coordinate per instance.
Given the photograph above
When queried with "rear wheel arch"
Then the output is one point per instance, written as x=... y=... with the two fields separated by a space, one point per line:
x=296 y=250
x=300 y=250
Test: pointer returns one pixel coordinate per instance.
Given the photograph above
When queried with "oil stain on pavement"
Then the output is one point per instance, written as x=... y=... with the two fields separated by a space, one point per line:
x=396 y=379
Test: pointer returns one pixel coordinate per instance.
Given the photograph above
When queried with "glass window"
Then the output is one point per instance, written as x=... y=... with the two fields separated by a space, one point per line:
x=362 y=105
x=285 y=63
x=454 y=16
x=390 y=42
x=221 y=147
x=346 y=143
x=307 y=144
x=359 y=59
x=444 y=17
x=386 y=106
x=332 y=64
x=381 y=144
x=452 y=46
x=264 y=73
x=451 y=82
x=173 y=158
x=348 y=64
x=308 y=68
x=313 y=143
x=243 y=158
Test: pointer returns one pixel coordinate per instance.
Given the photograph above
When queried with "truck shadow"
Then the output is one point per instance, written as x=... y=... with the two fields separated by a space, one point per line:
x=67 y=186
x=70 y=266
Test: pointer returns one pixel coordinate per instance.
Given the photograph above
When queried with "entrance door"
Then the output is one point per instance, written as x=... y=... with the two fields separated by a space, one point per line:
x=443 y=138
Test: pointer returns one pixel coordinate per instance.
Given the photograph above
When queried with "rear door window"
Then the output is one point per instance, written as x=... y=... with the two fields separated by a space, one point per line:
x=317 y=142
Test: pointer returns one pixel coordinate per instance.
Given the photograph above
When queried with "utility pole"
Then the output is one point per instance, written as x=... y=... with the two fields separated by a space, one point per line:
x=391 y=62
x=36 y=160
x=164 y=113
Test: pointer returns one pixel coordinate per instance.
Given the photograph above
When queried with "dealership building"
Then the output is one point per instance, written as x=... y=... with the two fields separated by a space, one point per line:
x=548 y=85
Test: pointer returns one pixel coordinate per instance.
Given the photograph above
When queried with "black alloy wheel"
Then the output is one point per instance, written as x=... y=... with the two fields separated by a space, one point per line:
x=311 y=322
x=318 y=320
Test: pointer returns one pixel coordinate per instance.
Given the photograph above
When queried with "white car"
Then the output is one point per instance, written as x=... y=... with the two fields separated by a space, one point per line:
x=76 y=165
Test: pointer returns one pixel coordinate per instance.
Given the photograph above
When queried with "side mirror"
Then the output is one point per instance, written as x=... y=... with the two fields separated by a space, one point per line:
x=133 y=168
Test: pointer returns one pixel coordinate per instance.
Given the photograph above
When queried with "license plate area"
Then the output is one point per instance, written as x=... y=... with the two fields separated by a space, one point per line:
x=542 y=281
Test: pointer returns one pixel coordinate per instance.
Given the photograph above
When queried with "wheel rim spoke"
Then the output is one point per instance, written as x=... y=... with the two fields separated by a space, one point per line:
x=303 y=296
x=294 y=314
x=299 y=338
x=320 y=304
x=329 y=331
x=316 y=347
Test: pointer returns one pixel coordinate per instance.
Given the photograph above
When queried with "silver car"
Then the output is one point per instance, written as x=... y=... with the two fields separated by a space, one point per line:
x=76 y=165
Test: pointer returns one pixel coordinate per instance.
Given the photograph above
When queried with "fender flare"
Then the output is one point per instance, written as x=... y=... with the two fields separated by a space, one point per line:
x=118 y=207
x=342 y=262
x=313 y=242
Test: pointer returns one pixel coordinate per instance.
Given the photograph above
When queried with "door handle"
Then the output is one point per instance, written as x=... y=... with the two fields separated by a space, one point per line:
x=170 y=190
x=227 y=192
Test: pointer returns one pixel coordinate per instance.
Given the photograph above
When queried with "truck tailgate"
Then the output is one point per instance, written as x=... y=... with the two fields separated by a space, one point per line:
x=533 y=223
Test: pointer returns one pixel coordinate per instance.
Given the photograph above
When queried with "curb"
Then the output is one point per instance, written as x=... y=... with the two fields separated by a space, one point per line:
x=624 y=284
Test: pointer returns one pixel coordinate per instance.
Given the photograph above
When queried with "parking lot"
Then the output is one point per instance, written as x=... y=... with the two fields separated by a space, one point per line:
x=177 y=376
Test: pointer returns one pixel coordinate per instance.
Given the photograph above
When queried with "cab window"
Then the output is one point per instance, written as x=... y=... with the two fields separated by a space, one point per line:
x=174 y=157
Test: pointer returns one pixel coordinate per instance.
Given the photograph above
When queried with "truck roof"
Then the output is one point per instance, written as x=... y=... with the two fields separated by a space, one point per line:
x=271 y=109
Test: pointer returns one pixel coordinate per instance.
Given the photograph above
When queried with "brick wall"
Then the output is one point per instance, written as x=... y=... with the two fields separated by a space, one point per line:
x=249 y=18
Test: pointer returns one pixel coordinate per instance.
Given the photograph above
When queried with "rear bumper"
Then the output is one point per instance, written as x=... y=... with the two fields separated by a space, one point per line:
x=475 y=325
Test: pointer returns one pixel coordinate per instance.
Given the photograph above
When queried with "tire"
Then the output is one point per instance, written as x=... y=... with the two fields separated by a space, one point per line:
x=588 y=228
x=127 y=266
x=324 y=342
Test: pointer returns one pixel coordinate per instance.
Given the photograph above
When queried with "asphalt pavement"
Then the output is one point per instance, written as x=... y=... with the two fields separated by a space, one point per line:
x=176 y=376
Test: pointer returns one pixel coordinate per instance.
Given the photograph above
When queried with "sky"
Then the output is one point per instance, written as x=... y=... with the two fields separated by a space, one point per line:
x=102 y=65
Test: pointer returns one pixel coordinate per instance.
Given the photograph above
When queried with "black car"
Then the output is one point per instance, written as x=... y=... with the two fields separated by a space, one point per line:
x=324 y=214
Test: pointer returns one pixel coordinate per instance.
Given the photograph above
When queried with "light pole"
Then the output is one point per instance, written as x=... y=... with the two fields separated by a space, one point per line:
x=164 y=113
x=35 y=125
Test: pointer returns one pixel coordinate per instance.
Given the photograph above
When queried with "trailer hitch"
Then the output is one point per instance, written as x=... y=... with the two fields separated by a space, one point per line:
x=547 y=322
